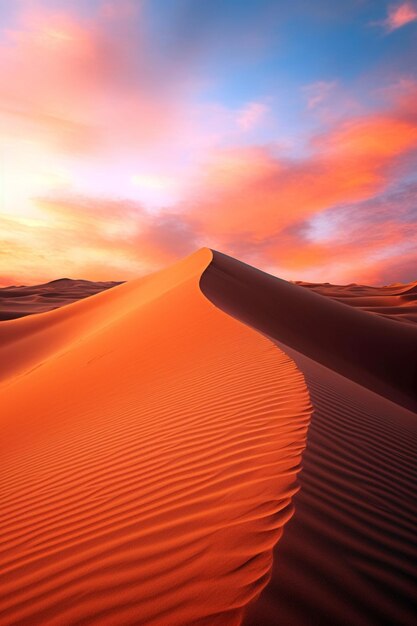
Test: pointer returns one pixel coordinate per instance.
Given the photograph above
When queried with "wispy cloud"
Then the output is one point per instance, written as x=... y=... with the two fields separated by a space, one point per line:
x=399 y=15
x=316 y=93
x=251 y=115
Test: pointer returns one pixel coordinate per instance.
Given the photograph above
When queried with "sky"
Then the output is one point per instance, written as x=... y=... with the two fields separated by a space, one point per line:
x=133 y=132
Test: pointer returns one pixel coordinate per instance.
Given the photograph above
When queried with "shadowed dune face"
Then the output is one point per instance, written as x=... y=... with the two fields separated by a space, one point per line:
x=21 y=301
x=150 y=448
x=369 y=349
x=348 y=555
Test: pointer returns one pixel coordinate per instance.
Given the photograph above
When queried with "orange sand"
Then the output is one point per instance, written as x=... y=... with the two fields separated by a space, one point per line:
x=151 y=444
x=150 y=447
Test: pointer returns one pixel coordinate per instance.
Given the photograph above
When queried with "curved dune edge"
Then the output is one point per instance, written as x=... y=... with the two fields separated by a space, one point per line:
x=150 y=448
x=371 y=350
x=348 y=555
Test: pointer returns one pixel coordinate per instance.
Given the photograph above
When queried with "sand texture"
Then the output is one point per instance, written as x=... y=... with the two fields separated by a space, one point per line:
x=152 y=441
x=348 y=555
x=149 y=455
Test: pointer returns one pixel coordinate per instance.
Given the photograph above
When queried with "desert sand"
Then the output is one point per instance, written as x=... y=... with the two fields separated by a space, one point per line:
x=150 y=451
x=20 y=301
x=397 y=302
x=152 y=440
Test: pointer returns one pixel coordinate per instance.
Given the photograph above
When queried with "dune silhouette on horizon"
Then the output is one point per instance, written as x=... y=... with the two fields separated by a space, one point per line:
x=19 y=301
x=152 y=441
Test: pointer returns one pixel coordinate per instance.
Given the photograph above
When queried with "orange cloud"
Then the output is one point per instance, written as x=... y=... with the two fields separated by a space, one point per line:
x=253 y=192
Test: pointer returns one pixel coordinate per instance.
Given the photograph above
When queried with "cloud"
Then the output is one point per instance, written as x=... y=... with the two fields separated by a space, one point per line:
x=88 y=84
x=338 y=213
x=124 y=228
x=365 y=240
x=318 y=92
x=254 y=191
x=263 y=207
x=250 y=116
x=119 y=162
x=93 y=238
x=399 y=15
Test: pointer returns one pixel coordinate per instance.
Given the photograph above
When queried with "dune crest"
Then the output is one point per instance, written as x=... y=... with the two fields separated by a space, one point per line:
x=369 y=349
x=150 y=449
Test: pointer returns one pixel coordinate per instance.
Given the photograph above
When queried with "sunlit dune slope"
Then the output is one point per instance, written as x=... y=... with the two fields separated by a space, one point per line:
x=150 y=448
x=348 y=555
x=20 y=301
x=371 y=350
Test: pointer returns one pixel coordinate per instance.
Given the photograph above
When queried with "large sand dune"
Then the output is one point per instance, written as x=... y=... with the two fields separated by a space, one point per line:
x=152 y=437
x=150 y=449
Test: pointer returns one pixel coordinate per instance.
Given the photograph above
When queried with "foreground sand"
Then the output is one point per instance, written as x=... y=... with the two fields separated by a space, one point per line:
x=150 y=449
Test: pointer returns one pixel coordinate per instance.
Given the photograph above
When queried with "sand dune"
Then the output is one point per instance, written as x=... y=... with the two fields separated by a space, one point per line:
x=20 y=301
x=396 y=302
x=150 y=448
x=151 y=440
x=348 y=555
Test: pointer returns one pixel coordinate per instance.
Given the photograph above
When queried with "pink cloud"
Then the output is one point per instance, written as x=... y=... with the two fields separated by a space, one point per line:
x=399 y=15
x=80 y=85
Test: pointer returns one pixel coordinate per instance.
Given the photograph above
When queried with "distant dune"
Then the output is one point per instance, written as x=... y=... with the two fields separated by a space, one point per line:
x=21 y=301
x=152 y=437
x=397 y=302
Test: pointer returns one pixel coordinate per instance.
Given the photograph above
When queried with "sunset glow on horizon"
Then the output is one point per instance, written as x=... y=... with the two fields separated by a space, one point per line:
x=135 y=132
